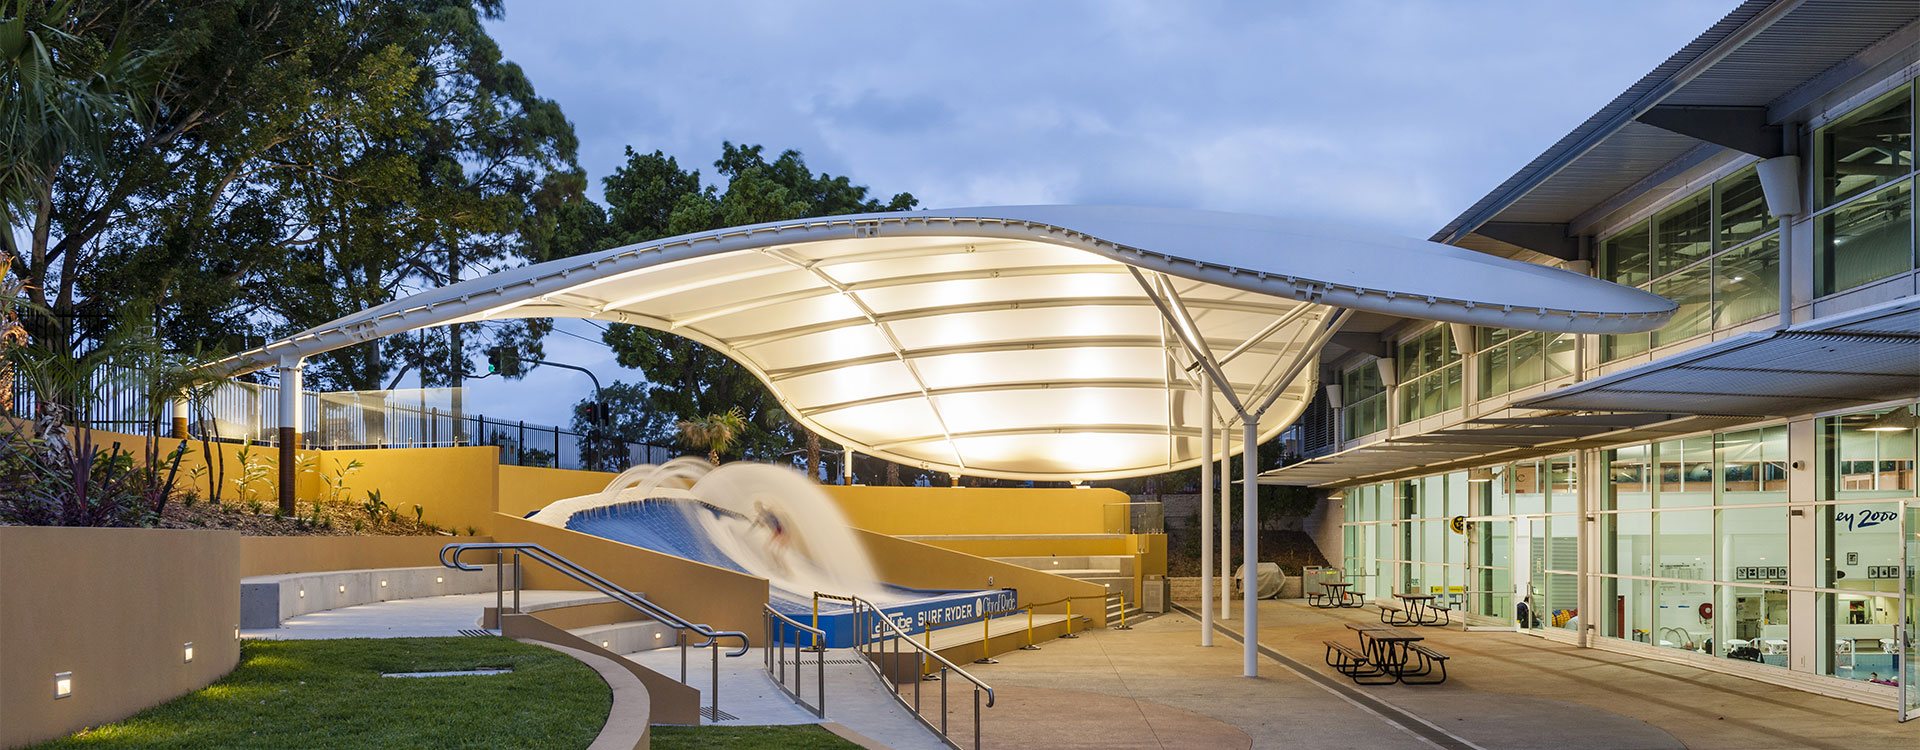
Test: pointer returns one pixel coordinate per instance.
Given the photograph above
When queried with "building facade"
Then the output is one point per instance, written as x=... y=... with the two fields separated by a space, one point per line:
x=1729 y=491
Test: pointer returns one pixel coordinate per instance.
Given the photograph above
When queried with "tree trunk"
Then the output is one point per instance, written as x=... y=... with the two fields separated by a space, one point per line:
x=813 y=454
x=893 y=474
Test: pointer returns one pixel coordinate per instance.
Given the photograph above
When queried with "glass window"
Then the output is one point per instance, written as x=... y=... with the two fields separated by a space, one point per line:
x=1564 y=486
x=1627 y=475
x=1753 y=624
x=1692 y=289
x=1861 y=459
x=1866 y=240
x=1366 y=400
x=1866 y=149
x=1619 y=346
x=1685 y=472
x=1628 y=549
x=1683 y=233
x=1753 y=466
x=1752 y=541
x=1430 y=375
x=1746 y=283
x=1743 y=208
x=1561 y=350
x=1859 y=551
x=1627 y=258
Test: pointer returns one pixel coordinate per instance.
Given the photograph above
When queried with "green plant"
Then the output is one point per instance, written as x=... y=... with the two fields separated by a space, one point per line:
x=256 y=507
x=715 y=432
x=334 y=487
x=419 y=514
x=255 y=469
x=471 y=531
x=375 y=507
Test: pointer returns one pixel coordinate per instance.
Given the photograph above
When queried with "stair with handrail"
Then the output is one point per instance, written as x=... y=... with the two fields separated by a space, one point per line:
x=702 y=636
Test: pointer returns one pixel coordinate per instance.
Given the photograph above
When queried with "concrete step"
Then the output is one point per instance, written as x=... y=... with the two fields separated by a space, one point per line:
x=628 y=637
x=265 y=601
x=1120 y=564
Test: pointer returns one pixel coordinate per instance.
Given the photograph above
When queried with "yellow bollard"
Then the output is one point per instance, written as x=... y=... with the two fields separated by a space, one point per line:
x=816 y=620
x=926 y=632
x=986 y=639
x=1123 y=613
x=1029 y=646
x=1069 y=619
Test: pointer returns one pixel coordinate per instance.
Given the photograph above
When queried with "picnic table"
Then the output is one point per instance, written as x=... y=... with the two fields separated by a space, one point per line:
x=1336 y=595
x=1384 y=657
x=1422 y=611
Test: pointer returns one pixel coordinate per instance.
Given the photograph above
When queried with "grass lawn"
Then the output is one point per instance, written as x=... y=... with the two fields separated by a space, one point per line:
x=798 y=737
x=288 y=694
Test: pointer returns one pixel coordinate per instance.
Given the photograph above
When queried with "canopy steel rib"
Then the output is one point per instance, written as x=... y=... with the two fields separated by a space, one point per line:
x=1000 y=282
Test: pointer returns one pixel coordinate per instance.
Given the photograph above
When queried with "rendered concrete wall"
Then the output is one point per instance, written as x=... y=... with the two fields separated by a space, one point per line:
x=458 y=488
x=906 y=511
x=275 y=555
x=115 y=607
x=524 y=489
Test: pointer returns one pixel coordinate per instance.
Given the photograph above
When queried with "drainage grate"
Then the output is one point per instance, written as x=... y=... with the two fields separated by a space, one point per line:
x=714 y=714
x=479 y=633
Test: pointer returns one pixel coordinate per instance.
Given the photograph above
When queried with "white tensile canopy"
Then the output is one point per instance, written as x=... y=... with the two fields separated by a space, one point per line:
x=1024 y=342
x=1030 y=342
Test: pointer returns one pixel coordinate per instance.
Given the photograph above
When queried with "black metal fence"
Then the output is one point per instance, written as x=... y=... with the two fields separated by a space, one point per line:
x=409 y=418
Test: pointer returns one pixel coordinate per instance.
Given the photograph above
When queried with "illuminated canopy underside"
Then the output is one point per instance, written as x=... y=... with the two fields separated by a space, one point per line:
x=1019 y=342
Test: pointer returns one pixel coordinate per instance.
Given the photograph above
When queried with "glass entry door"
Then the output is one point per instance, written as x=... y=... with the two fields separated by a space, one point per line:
x=1909 y=646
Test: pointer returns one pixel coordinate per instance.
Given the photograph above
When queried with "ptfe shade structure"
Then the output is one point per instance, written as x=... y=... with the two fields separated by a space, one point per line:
x=1021 y=342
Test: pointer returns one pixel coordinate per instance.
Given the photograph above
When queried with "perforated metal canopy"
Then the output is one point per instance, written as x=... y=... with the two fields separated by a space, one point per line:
x=1025 y=342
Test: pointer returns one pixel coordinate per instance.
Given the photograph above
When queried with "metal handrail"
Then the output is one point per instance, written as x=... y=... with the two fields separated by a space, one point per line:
x=861 y=607
x=776 y=658
x=594 y=581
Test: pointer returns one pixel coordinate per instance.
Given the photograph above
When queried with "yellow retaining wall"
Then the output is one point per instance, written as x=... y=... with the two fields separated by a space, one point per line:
x=1034 y=546
x=906 y=511
x=525 y=489
x=115 y=607
x=698 y=592
x=275 y=555
x=457 y=487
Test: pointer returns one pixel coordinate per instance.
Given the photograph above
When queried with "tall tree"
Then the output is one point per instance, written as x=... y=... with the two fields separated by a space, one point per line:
x=651 y=197
x=256 y=167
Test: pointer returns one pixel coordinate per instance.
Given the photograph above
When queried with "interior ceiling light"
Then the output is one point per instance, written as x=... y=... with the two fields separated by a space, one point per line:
x=1898 y=420
x=1016 y=342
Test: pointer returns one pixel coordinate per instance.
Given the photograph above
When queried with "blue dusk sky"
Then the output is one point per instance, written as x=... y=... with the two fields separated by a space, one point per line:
x=1390 y=115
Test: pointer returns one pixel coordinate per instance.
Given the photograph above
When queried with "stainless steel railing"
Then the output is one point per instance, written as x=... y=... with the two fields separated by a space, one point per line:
x=450 y=557
x=778 y=628
x=876 y=633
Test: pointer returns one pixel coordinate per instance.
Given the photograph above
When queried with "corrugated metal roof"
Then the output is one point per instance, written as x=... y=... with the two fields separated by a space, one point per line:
x=1762 y=52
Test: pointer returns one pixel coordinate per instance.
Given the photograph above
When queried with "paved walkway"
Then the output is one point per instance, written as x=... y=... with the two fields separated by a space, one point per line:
x=1154 y=687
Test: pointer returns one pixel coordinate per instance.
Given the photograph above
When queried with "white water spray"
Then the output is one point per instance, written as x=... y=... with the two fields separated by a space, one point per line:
x=819 y=551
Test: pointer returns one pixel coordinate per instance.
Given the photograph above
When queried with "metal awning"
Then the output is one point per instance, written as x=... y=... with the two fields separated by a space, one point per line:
x=1025 y=342
x=1865 y=357
x=1481 y=442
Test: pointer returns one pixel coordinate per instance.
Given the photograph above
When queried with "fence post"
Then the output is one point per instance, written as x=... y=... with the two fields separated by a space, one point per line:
x=520 y=448
x=556 y=446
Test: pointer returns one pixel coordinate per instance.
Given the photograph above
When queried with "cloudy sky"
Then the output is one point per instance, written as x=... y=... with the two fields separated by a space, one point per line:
x=1390 y=115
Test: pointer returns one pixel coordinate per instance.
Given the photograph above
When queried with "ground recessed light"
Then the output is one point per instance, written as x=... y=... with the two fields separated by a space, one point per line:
x=62 y=685
x=189 y=653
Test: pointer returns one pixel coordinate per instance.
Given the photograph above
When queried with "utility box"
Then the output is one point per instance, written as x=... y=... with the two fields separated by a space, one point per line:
x=1313 y=575
x=1153 y=595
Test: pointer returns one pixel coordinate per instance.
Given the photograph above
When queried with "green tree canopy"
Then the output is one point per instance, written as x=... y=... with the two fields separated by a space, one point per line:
x=651 y=197
x=251 y=168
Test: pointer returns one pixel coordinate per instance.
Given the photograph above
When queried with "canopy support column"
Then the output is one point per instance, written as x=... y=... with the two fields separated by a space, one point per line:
x=1250 y=543
x=180 y=416
x=1206 y=513
x=290 y=388
x=1226 y=519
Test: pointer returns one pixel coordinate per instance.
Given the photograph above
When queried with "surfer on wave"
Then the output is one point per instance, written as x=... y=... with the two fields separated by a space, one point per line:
x=778 y=540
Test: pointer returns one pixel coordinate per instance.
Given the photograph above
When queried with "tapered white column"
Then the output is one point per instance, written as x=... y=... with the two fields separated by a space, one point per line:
x=1206 y=512
x=1250 y=542
x=1226 y=523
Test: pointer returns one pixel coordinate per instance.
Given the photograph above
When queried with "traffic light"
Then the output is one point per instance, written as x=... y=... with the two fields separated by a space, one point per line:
x=503 y=360
x=591 y=410
x=493 y=361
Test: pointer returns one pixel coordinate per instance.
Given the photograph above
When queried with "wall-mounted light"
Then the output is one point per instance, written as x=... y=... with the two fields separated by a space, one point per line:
x=1898 y=420
x=1480 y=475
x=606 y=644
x=303 y=593
x=439 y=579
x=187 y=657
x=383 y=584
x=656 y=636
x=236 y=632
x=62 y=685
x=343 y=588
